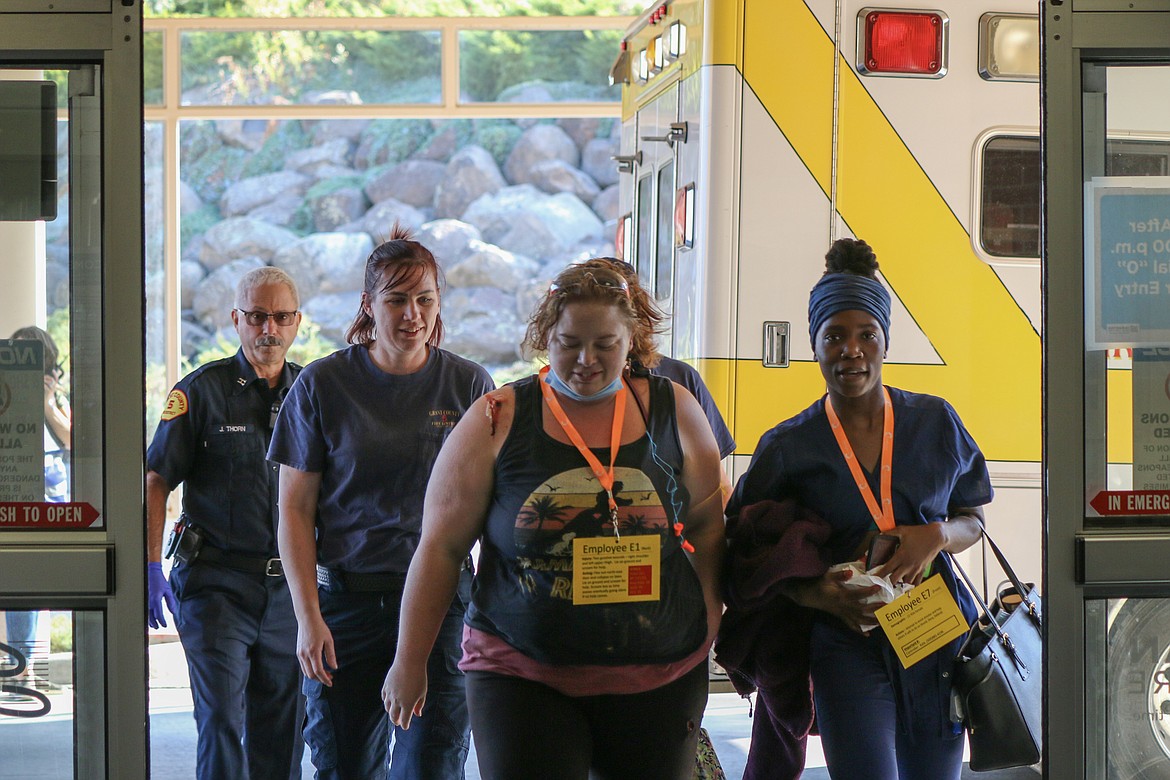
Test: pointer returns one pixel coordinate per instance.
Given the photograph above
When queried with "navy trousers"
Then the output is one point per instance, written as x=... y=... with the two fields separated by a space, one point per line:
x=877 y=720
x=347 y=728
x=240 y=636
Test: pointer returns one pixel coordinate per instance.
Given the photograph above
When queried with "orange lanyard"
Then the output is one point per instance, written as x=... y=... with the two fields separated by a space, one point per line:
x=883 y=515
x=615 y=439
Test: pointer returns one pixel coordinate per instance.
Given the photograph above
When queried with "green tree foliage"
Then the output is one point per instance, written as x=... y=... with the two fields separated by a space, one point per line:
x=394 y=7
x=490 y=61
x=392 y=67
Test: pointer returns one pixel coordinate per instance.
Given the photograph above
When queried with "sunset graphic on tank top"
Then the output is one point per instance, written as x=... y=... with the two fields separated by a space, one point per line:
x=574 y=505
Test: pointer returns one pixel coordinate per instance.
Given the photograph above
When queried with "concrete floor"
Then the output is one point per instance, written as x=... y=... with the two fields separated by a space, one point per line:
x=42 y=748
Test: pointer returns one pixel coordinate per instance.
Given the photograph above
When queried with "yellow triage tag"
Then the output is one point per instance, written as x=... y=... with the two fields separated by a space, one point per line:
x=921 y=621
x=608 y=570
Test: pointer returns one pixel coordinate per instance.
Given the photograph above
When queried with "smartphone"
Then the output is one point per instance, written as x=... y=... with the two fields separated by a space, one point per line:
x=881 y=549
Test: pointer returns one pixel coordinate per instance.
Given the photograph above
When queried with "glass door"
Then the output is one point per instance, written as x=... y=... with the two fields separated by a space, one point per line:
x=1107 y=390
x=72 y=639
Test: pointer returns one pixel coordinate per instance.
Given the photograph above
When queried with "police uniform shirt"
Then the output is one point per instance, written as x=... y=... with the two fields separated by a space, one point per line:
x=214 y=437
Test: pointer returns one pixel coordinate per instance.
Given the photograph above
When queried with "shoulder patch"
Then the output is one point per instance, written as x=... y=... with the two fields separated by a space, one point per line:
x=176 y=406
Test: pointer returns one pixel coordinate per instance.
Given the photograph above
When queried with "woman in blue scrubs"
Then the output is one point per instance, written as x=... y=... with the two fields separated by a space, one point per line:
x=877 y=719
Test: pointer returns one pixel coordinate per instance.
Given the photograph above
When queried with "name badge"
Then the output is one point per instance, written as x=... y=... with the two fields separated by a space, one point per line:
x=608 y=570
x=233 y=429
x=921 y=621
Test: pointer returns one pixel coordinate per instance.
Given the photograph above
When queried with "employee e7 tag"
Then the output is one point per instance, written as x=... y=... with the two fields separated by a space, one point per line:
x=609 y=570
x=921 y=621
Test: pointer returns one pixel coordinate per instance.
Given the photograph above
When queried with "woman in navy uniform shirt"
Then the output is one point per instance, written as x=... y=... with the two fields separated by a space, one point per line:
x=877 y=720
x=356 y=443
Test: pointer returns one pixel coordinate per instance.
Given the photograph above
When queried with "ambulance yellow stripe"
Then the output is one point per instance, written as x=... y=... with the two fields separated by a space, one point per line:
x=991 y=354
x=724 y=26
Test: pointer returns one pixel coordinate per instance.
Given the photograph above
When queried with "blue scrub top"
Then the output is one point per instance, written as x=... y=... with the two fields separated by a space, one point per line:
x=937 y=468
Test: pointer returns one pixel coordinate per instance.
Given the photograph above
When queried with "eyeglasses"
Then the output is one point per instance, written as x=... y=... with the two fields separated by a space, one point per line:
x=600 y=281
x=257 y=318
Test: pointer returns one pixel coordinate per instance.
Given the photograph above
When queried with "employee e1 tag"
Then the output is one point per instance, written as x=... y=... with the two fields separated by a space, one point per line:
x=921 y=621
x=609 y=570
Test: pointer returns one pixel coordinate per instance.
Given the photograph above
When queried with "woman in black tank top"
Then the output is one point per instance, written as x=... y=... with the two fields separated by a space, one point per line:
x=595 y=496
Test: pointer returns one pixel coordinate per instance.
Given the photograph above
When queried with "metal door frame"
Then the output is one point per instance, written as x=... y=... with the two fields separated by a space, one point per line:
x=111 y=735
x=1082 y=563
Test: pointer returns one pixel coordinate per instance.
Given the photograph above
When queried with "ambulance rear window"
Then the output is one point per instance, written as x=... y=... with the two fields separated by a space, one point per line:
x=1009 y=198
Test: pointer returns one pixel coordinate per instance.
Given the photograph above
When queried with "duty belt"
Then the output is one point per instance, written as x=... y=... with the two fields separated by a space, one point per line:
x=252 y=564
x=337 y=580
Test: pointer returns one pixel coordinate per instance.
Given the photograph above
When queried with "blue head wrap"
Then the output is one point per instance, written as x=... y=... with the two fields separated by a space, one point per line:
x=844 y=291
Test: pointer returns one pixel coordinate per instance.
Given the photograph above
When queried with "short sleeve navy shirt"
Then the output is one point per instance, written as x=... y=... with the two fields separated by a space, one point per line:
x=937 y=468
x=374 y=438
x=686 y=375
x=213 y=438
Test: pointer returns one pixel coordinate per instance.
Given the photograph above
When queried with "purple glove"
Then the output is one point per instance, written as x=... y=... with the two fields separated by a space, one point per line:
x=158 y=590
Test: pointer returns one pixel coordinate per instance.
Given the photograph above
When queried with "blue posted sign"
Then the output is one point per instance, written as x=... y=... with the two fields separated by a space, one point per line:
x=1127 y=258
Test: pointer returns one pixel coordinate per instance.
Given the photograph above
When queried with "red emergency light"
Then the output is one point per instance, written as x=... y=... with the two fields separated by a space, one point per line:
x=903 y=43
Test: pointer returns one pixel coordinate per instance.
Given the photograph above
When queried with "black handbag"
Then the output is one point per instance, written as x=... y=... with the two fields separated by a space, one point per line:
x=998 y=677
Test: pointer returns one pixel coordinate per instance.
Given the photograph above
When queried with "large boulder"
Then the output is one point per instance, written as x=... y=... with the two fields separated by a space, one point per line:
x=490 y=266
x=583 y=129
x=189 y=200
x=191 y=274
x=442 y=144
x=331 y=171
x=307 y=161
x=247 y=134
x=281 y=211
x=323 y=130
x=493 y=213
x=555 y=176
x=216 y=294
x=537 y=144
x=338 y=207
x=448 y=239
x=326 y=262
x=192 y=338
x=332 y=312
x=608 y=204
x=382 y=216
x=242 y=237
x=480 y=323
x=597 y=160
x=412 y=181
x=245 y=195
x=564 y=218
x=528 y=235
x=530 y=293
x=471 y=173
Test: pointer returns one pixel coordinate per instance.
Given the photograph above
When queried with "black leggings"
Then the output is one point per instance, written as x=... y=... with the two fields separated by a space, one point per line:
x=523 y=729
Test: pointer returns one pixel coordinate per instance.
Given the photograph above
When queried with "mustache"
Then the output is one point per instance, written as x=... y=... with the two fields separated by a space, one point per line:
x=269 y=341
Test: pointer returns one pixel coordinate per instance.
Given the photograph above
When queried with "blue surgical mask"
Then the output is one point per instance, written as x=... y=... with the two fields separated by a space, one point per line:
x=563 y=388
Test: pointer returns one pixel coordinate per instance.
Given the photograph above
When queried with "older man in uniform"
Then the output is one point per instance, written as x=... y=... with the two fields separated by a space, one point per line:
x=230 y=600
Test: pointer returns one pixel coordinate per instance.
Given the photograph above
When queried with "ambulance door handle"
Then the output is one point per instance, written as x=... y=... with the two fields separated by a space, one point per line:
x=627 y=162
x=677 y=134
x=776 y=344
